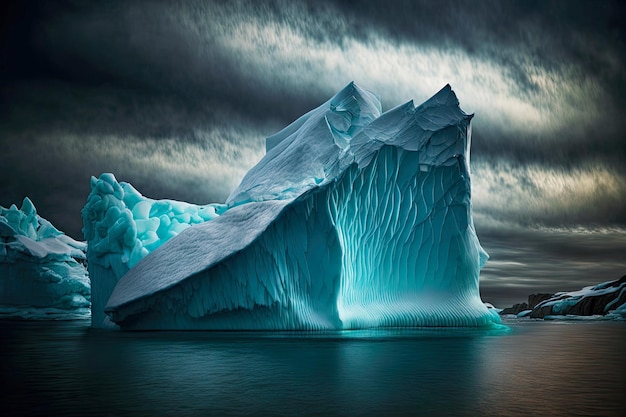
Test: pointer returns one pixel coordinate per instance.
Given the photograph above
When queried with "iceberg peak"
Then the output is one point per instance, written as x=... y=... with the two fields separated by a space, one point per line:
x=309 y=151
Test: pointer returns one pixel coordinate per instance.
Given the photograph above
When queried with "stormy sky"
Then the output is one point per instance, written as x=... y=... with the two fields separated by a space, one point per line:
x=177 y=98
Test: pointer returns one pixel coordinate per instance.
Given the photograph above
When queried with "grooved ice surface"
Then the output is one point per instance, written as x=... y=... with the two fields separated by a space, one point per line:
x=352 y=219
x=42 y=272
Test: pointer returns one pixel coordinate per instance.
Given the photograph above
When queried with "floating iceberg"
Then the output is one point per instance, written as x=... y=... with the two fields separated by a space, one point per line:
x=122 y=226
x=42 y=270
x=352 y=219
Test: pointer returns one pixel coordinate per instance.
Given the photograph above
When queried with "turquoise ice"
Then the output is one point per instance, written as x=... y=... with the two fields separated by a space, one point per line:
x=122 y=227
x=353 y=219
x=42 y=270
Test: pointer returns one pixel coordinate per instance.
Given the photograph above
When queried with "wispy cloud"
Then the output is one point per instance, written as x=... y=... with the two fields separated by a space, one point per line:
x=589 y=193
x=280 y=52
x=280 y=55
x=524 y=261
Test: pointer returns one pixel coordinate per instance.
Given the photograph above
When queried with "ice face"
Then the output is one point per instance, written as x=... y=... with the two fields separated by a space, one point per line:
x=42 y=272
x=351 y=220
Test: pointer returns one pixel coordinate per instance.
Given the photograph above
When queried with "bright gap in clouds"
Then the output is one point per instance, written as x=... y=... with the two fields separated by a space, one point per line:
x=533 y=194
x=202 y=171
x=281 y=55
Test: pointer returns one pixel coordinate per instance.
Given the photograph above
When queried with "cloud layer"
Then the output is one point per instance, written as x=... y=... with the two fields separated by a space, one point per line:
x=177 y=97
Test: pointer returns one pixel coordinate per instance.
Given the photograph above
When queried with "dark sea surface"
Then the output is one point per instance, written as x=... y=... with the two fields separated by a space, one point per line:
x=537 y=368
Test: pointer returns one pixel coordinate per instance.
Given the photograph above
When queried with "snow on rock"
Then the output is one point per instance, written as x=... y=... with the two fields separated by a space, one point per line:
x=608 y=298
x=619 y=312
x=122 y=226
x=42 y=271
x=352 y=219
x=604 y=301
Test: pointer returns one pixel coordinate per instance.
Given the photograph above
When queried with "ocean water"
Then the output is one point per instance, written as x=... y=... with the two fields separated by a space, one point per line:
x=537 y=368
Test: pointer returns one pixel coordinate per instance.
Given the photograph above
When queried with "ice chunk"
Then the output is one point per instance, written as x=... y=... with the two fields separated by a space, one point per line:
x=42 y=271
x=351 y=220
x=122 y=226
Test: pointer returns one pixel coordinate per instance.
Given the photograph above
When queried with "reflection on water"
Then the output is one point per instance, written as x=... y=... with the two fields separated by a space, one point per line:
x=537 y=368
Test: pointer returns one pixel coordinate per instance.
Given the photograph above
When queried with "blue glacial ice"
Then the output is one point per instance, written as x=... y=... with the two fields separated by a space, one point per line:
x=353 y=219
x=42 y=270
x=122 y=227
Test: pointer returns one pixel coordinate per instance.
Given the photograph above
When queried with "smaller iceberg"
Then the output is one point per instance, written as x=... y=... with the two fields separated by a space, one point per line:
x=42 y=270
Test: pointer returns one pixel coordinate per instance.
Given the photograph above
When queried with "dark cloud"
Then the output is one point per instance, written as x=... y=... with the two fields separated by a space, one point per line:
x=547 y=31
x=525 y=261
x=590 y=193
x=176 y=98
x=150 y=48
x=535 y=43
x=57 y=135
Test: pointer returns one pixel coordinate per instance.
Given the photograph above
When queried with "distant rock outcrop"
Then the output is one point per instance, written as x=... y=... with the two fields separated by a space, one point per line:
x=533 y=300
x=515 y=309
x=602 y=299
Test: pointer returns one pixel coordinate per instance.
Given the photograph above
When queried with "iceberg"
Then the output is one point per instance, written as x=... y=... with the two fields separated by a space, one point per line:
x=122 y=227
x=353 y=219
x=42 y=270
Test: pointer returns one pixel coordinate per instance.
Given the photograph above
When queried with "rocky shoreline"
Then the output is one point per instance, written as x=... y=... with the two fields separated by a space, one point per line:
x=602 y=299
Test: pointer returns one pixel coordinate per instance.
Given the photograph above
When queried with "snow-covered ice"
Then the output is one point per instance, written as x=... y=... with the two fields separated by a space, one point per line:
x=42 y=271
x=353 y=219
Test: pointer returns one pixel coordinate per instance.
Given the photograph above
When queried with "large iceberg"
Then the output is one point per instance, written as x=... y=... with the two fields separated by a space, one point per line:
x=352 y=220
x=42 y=270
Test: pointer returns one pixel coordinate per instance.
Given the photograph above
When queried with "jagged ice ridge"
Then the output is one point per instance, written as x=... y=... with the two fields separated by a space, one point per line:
x=353 y=219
